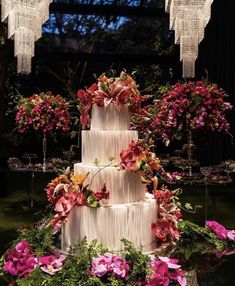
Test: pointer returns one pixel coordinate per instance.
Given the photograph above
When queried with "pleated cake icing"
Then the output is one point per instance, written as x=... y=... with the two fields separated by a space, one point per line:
x=127 y=213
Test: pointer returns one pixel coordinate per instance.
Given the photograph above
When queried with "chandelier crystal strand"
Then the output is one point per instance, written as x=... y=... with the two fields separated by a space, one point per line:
x=25 y=19
x=188 y=18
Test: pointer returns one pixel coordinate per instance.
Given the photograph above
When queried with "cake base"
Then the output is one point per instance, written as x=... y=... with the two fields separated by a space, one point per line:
x=110 y=223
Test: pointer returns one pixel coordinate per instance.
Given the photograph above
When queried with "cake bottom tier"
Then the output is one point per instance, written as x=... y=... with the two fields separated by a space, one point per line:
x=109 y=224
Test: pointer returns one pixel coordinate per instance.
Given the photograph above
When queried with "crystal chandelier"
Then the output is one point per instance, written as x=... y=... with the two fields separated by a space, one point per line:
x=188 y=18
x=25 y=19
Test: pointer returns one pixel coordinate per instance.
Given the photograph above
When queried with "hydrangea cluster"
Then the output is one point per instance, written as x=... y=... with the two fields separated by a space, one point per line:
x=190 y=105
x=120 y=90
x=43 y=112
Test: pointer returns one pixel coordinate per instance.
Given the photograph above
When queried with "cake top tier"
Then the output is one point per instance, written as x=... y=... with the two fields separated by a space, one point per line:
x=110 y=117
x=121 y=91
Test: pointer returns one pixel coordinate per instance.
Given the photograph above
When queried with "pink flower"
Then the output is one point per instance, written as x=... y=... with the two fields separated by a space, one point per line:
x=220 y=231
x=19 y=261
x=120 y=267
x=101 y=265
x=109 y=264
x=166 y=270
x=51 y=264
x=67 y=202
x=231 y=234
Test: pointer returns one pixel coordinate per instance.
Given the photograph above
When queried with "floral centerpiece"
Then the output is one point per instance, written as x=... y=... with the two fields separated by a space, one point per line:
x=43 y=112
x=190 y=106
x=120 y=90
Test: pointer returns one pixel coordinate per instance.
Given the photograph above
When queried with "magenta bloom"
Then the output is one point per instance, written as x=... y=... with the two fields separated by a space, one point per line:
x=19 y=261
x=51 y=264
x=220 y=231
x=110 y=264
x=166 y=270
x=101 y=265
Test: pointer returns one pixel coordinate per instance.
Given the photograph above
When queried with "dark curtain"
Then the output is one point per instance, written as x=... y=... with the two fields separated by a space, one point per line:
x=216 y=62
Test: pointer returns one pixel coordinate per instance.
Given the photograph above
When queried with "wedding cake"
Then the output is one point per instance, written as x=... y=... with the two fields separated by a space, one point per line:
x=128 y=213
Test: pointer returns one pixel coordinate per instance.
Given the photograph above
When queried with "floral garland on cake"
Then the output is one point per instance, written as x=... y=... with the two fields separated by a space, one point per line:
x=43 y=112
x=138 y=158
x=120 y=90
x=69 y=190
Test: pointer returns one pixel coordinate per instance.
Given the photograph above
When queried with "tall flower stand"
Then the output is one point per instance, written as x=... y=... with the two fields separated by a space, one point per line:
x=189 y=147
x=44 y=150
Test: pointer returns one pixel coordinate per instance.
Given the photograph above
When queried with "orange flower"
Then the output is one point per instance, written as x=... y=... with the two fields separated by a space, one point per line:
x=78 y=179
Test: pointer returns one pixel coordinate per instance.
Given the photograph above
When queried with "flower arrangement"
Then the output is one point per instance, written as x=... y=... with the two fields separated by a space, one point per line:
x=120 y=90
x=43 y=112
x=69 y=190
x=96 y=266
x=190 y=106
x=139 y=158
x=183 y=107
x=169 y=214
x=20 y=261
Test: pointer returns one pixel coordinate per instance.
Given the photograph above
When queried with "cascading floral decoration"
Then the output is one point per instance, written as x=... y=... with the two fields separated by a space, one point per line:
x=183 y=107
x=120 y=90
x=43 y=112
x=68 y=190
x=139 y=158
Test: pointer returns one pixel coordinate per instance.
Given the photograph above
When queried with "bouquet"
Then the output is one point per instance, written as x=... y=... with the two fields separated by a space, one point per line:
x=120 y=90
x=188 y=106
x=43 y=112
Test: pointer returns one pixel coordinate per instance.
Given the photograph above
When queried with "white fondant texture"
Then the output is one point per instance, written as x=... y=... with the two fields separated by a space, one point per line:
x=127 y=214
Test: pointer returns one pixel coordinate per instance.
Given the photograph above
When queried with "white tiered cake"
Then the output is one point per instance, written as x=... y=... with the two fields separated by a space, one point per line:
x=128 y=213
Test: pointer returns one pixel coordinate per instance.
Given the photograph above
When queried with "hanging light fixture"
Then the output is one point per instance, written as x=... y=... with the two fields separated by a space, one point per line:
x=188 y=18
x=25 y=19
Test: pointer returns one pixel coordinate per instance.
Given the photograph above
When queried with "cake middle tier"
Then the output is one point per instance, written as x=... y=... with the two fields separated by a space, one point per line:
x=123 y=186
x=103 y=144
